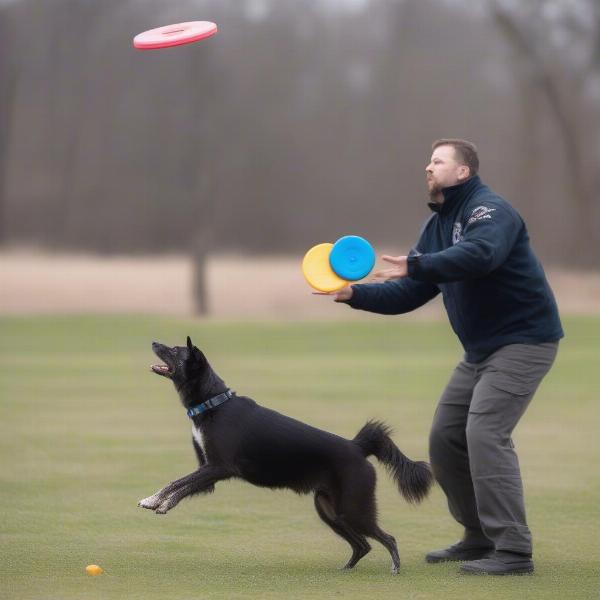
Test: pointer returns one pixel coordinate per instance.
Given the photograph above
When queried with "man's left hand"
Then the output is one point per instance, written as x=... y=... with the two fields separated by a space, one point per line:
x=399 y=270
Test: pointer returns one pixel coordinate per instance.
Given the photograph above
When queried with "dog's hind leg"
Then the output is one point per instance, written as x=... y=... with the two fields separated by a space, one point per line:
x=359 y=544
x=361 y=523
x=390 y=544
x=356 y=506
x=362 y=518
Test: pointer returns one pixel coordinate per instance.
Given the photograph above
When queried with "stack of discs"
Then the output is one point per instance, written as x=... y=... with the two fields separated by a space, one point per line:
x=330 y=267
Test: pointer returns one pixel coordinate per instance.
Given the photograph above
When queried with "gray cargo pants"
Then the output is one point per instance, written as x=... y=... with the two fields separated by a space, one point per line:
x=471 y=451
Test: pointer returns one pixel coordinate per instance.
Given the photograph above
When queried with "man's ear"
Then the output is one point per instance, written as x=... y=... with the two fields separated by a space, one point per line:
x=464 y=172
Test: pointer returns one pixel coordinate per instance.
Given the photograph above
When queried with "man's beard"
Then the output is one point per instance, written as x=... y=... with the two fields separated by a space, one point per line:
x=435 y=190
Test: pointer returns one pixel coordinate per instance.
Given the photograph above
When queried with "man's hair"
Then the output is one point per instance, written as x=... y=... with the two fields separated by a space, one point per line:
x=466 y=152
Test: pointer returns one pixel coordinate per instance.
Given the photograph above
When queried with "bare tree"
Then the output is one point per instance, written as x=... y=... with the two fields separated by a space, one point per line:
x=557 y=52
x=299 y=122
x=8 y=77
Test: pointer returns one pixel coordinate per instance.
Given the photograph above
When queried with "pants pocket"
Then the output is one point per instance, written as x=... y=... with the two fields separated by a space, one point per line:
x=519 y=369
x=513 y=384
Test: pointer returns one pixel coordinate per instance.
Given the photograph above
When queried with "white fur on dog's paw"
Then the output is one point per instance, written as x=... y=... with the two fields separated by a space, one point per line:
x=166 y=506
x=151 y=502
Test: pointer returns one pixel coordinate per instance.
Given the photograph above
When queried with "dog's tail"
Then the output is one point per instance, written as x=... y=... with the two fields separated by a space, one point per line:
x=414 y=479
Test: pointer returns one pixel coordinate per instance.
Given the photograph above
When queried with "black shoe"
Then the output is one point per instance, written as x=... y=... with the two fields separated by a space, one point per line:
x=459 y=551
x=500 y=563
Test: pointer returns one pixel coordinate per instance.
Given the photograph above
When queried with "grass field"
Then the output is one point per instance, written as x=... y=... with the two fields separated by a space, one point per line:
x=86 y=430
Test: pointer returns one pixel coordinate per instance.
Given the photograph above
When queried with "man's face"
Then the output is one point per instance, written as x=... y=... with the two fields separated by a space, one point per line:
x=444 y=171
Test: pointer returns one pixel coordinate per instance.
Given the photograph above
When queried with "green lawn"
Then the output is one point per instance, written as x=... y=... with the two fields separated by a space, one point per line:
x=86 y=430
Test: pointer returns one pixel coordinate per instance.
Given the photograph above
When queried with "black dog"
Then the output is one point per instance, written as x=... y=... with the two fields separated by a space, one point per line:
x=235 y=437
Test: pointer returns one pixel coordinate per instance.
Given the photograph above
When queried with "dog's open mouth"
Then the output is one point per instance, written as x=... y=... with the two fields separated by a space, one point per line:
x=166 y=368
x=161 y=369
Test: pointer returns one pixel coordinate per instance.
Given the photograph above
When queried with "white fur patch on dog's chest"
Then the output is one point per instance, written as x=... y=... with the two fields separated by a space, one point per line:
x=197 y=435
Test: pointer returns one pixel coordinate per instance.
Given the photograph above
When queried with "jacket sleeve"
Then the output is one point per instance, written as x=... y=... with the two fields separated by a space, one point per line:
x=489 y=236
x=392 y=297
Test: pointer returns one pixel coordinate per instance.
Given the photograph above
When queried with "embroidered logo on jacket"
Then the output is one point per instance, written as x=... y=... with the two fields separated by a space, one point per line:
x=457 y=232
x=480 y=213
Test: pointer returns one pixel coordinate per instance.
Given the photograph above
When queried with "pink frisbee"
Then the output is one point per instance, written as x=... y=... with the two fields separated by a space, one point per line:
x=174 y=35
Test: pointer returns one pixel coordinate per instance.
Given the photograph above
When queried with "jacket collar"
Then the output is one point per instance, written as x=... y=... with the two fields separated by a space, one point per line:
x=455 y=195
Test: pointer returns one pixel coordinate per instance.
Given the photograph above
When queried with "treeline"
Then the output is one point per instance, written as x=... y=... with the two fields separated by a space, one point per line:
x=301 y=121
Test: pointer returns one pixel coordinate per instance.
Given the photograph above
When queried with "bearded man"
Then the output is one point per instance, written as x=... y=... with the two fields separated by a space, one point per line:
x=475 y=250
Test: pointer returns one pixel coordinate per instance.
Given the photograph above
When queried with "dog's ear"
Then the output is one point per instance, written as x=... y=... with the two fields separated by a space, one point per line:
x=194 y=351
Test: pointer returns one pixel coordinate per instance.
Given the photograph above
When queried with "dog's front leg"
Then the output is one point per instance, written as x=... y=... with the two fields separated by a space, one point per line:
x=201 y=481
x=154 y=501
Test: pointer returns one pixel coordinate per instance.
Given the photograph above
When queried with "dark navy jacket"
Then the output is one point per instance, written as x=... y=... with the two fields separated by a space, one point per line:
x=475 y=250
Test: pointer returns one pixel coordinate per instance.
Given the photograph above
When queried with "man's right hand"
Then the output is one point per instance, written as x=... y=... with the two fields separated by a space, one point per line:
x=343 y=295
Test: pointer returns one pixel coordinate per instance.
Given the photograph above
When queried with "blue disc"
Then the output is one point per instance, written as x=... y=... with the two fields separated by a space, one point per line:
x=352 y=257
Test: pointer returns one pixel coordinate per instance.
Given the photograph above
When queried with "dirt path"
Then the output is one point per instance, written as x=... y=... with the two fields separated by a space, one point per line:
x=238 y=287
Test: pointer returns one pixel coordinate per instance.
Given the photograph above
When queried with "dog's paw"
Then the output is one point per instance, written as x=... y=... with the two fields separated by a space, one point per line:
x=163 y=509
x=152 y=502
x=166 y=505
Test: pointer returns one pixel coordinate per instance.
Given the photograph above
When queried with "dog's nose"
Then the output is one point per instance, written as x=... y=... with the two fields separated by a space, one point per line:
x=154 y=344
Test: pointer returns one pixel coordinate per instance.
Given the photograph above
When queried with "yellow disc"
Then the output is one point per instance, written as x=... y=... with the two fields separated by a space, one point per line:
x=317 y=271
x=94 y=570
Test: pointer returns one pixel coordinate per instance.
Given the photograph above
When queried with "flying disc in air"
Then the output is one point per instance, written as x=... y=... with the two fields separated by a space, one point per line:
x=174 y=35
x=318 y=272
x=352 y=257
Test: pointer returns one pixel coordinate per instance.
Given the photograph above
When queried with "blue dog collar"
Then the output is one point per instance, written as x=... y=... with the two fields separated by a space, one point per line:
x=210 y=403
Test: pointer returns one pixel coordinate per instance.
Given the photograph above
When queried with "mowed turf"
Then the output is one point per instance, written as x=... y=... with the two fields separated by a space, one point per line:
x=86 y=431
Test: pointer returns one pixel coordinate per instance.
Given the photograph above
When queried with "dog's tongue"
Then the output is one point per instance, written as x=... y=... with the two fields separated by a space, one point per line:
x=160 y=368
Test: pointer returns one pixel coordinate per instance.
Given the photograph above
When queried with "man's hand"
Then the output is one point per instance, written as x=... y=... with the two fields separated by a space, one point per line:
x=344 y=294
x=339 y=296
x=399 y=270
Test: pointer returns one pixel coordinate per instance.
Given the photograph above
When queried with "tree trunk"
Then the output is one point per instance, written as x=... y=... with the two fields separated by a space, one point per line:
x=584 y=237
x=8 y=76
x=200 y=253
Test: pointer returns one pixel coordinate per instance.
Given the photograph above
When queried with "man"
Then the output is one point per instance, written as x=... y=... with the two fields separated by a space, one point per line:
x=475 y=251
